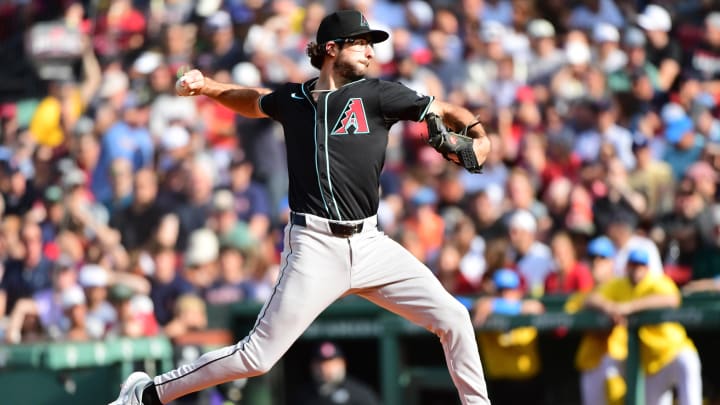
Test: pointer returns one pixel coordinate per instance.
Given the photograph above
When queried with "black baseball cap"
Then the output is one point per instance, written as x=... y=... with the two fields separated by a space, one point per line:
x=347 y=24
x=327 y=351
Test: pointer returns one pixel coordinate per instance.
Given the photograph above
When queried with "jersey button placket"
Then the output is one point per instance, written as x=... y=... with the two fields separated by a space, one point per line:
x=321 y=155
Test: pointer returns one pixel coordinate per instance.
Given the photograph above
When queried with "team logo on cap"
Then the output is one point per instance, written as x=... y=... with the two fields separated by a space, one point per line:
x=363 y=21
x=352 y=120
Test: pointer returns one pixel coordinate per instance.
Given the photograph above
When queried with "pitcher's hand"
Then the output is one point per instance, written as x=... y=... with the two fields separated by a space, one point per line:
x=190 y=83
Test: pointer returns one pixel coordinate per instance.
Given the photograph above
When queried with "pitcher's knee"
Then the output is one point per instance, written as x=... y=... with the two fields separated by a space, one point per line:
x=250 y=362
x=263 y=364
x=454 y=317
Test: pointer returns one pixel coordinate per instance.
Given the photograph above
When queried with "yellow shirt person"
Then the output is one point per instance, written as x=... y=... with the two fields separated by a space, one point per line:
x=669 y=358
x=510 y=358
x=600 y=355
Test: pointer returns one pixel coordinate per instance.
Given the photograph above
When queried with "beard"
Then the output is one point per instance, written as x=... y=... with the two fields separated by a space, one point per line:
x=350 y=71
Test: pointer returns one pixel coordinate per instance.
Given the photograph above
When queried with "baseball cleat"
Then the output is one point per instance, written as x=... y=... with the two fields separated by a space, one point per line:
x=132 y=389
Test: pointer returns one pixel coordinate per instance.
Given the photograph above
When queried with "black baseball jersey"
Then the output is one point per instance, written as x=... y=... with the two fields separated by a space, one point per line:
x=336 y=146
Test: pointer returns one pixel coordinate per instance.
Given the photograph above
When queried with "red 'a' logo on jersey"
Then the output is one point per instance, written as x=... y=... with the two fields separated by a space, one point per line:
x=352 y=120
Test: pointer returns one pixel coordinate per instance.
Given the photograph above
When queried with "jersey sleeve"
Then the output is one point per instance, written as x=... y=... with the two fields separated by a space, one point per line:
x=273 y=103
x=399 y=102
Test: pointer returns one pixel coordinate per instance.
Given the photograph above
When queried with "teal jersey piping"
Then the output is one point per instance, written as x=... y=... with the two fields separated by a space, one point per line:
x=317 y=172
x=327 y=159
x=427 y=107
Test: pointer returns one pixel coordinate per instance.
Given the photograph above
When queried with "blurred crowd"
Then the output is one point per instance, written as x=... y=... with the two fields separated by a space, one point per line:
x=126 y=209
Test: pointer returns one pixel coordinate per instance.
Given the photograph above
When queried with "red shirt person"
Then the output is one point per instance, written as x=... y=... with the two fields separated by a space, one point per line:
x=570 y=275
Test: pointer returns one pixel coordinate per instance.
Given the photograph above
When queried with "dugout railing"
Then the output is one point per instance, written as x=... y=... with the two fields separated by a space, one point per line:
x=61 y=373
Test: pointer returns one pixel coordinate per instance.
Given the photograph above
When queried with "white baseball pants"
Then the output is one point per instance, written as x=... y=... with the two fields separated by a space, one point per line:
x=318 y=268
x=593 y=383
x=683 y=373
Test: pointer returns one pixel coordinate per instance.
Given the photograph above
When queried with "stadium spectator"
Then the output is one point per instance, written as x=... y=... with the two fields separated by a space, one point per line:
x=251 y=202
x=45 y=307
x=28 y=274
x=669 y=358
x=685 y=145
x=662 y=49
x=532 y=258
x=135 y=313
x=139 y=221
x=651 y=177
x=331 y=383
x=704 y=60
x=621 y=230
x=189 y=315
x=100 y=315
x=167 y=282
x=194 y=206
x=510 y=379
x=570 y=275
x=600 y=355
x=75 y=309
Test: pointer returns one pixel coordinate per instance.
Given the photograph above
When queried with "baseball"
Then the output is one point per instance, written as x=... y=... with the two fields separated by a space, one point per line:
x=181 y=88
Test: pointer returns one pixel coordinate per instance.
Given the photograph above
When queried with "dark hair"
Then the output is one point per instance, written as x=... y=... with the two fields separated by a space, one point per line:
x=317 y=53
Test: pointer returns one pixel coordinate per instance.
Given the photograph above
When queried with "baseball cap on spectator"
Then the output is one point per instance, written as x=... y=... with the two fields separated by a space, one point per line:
x=506 y=279
x=523 y=220
x=703 y=102
x=84 y=125
x=577 y=52
x=634 y=38
x=422 y=56
x=624 y=216
x=638 y=256
x=424 y=196
x=713 y=19
x=327 y=351
x=701 y=170
x=64 y=262
x=246 y=74
x=71 y=297
x=8 y=110
x=136 y=99
x=601 y=246
x=176 y=137
x=421 y=12
x=637 y=73
x=73 y=177
x=671 y=112
x=525 y=94
x=347 y=24
x=205 y=8
x=223 y=200
x=540 y=28
x=93 y=275
x=494 y=193
x=655 y=18
x=239 y=158
x=120 y=292
x=640 y=141
x=203 y=248
x=492 y=31
x=675 y=130
x=239 y=238
x=218 y=20
x=605 y=32
x=113 y=82
x=10 y=166
x=147 y=62
x=602 y=104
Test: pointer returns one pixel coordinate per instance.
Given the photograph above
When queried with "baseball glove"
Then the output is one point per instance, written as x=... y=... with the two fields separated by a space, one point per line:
x=452 y=144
